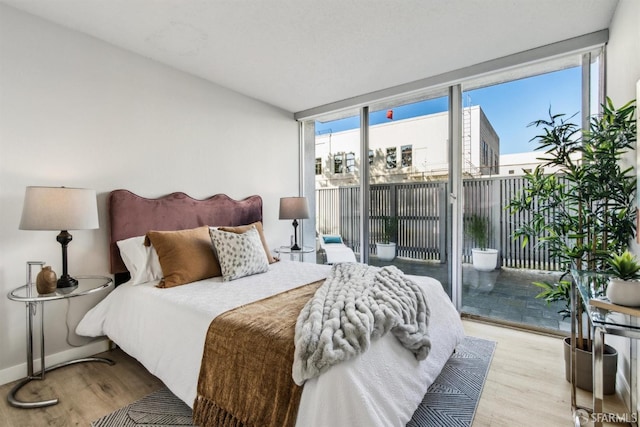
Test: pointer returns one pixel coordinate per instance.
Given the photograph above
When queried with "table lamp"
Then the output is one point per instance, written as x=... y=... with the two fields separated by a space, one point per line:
x=294 y=208
x=60 y=208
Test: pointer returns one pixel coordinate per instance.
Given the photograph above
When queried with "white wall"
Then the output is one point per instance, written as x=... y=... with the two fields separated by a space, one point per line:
x=623 y=52
x=623 y=71
x=426 y=134
x=75 y=111
x=513 y=164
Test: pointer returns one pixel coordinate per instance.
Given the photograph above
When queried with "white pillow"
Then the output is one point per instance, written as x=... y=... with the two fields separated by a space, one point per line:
x=141 y=261
x=239 y=255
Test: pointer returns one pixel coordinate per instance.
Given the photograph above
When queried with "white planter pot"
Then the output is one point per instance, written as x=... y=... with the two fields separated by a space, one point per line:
x=386 y=251
x=624 y=292
x=485 y=259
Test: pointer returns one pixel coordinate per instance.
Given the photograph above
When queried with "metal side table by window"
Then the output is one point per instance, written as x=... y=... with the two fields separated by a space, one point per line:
x=34 y=303
x=604 y=318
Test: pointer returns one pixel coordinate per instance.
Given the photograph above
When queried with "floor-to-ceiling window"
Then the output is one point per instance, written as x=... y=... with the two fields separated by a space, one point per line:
x=409 y=169
x=407 y=159
x=436 y=211
x=499 y=148
x=337 y=178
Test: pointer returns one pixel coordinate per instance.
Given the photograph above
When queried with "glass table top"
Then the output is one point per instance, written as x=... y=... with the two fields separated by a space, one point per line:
x=591 y=286
x=288 y=250
x=86 y=285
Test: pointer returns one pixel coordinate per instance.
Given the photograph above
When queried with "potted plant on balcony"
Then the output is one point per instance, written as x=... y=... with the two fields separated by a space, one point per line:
x=584 y=210
x=484 y=258
x=624 y=288
x=386 y=247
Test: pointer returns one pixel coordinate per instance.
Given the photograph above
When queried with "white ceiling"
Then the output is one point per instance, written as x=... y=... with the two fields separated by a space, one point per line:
x=299 y=54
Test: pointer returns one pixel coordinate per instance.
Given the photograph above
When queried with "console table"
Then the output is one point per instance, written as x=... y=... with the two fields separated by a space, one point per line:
x=604 y=318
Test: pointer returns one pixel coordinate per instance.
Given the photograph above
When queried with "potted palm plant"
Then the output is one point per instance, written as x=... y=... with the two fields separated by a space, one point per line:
x=585 y=210
x=386 y=247
x=623 y=287
x=484 y=258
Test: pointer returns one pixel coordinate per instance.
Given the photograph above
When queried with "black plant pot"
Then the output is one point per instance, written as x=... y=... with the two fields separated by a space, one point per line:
x=584 y=378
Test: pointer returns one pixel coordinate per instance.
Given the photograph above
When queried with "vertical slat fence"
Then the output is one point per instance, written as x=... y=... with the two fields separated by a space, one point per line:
x=421 y=208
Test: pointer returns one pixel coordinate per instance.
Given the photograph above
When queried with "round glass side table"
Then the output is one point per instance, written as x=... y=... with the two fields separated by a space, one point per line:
x=295 y=254
x=34 y=302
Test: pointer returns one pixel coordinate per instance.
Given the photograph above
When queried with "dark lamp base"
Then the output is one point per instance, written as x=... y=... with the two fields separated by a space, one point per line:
x=67 y=282
x=295 y=247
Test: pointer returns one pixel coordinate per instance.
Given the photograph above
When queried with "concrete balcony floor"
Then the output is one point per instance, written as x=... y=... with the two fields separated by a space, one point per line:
x=505 y=294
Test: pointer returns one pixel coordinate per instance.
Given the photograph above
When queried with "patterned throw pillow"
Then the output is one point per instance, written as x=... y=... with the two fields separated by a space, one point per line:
x=242 y=228
x=240 y=255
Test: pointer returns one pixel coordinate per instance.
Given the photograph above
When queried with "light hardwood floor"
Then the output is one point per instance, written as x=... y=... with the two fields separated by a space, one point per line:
x=525 y=386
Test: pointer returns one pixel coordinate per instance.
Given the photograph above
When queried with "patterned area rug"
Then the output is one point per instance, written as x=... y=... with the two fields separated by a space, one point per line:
x=160 y=408
x=453 y=397
x=450 y=401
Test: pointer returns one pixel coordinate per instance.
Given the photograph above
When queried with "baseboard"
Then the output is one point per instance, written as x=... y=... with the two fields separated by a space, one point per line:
x=17 y=372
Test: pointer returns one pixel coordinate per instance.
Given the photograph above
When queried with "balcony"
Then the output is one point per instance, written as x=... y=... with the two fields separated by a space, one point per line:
x=506 y=294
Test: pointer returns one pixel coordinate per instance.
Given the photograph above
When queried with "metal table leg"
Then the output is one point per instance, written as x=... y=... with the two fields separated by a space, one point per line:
x=11 y=398
x=633 y=373
x=572 y=356
x=15 y=402
x=598 y=386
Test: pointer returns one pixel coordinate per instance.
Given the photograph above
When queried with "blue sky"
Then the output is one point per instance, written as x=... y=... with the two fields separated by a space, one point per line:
x=510 y=107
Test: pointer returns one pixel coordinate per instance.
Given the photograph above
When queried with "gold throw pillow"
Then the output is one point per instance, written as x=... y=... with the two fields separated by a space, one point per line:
x=185 y=255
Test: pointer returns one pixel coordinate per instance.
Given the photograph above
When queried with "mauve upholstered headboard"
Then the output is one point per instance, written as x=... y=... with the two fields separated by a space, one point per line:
x=131 y=215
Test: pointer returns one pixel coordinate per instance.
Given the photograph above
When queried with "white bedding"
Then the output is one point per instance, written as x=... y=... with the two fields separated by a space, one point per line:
x=165 y=329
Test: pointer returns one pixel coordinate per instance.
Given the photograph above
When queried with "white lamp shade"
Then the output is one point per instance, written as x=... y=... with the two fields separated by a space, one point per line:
x=294 y=208
x=59 y=208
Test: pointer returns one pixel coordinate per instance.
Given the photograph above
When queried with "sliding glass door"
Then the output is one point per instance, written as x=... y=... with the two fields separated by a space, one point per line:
x=408 y=156
x=499 y=148
x=337 y=166
x=423 y=182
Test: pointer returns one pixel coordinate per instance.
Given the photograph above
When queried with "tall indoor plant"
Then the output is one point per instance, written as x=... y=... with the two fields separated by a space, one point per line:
x=585 y=210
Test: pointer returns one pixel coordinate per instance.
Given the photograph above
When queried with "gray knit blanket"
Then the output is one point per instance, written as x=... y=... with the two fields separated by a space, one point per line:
x=358 y=303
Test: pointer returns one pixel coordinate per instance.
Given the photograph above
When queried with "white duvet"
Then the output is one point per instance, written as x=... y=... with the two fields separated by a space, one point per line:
x=165 y=329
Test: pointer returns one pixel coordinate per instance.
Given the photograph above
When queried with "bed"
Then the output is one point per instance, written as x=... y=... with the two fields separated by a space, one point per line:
x=165 y=328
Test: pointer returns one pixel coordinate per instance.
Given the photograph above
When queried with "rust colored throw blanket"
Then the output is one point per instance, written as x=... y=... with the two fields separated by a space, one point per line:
x=245 y=376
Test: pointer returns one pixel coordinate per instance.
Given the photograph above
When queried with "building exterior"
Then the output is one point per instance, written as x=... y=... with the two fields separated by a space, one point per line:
x=518 y=164
x=414 y=149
